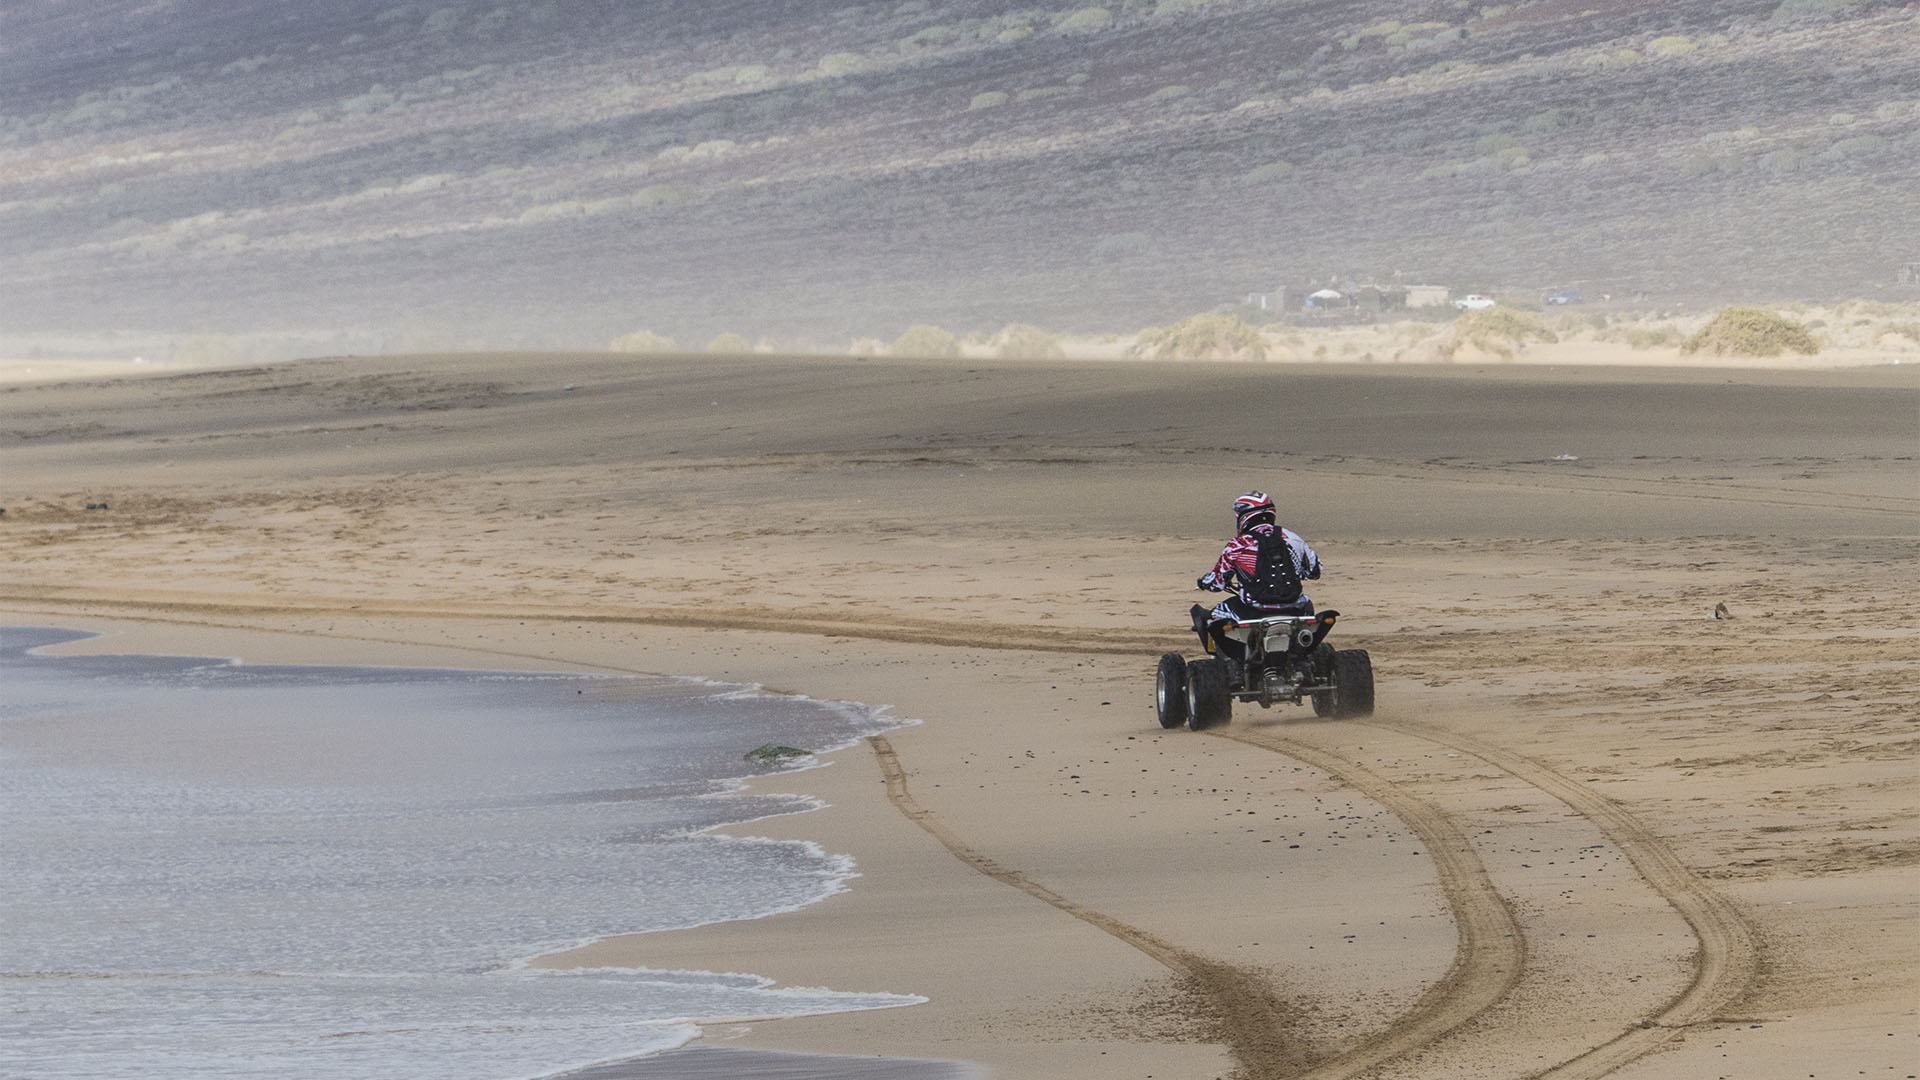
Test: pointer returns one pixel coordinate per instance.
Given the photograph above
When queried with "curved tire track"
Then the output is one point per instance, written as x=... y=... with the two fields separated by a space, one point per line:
x=1256 y=1024
x=1728 y=961
x=1488 y=962
x=1168 y=955
x=878 y=627
x=1492 y=951
x=1724 y=968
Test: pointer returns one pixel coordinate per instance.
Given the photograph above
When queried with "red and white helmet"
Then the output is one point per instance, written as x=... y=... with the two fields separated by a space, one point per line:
x=1252 y=509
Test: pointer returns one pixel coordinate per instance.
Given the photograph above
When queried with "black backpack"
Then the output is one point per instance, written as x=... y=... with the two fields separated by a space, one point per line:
x=1276 y=582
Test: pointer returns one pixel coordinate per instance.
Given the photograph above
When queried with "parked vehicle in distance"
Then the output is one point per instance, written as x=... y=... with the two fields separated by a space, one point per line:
x=1565 y=296
x=1473 y=302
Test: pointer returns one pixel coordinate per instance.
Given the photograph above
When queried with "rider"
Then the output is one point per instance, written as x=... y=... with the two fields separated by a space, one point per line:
x=1269 y=586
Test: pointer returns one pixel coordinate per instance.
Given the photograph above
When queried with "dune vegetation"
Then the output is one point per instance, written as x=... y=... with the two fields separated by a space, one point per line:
x=1202 y=337
x=1750 y=331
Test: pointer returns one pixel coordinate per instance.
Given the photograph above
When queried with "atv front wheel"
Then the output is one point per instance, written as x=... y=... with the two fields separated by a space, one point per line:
x=1208 y=702
x=1352 y=683
x=1170 y=690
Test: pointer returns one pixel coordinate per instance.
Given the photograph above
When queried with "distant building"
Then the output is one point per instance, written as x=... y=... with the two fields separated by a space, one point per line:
x=1262 y=301
x=1419 y=296
x=1375 y=298
x=1910 y=273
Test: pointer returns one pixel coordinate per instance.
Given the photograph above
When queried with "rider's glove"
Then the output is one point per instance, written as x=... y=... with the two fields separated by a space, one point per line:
x=1206 y=582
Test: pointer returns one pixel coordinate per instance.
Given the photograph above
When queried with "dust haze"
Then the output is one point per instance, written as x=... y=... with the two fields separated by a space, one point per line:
x=213 y=182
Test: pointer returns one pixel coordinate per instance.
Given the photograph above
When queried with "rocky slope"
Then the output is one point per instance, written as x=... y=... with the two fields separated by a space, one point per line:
x=471 y=172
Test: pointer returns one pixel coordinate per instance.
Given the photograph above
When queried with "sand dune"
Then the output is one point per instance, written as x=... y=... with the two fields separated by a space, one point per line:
x=1593 y=829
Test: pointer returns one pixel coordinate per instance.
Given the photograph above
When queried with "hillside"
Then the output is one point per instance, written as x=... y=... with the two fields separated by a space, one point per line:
x=474 y=173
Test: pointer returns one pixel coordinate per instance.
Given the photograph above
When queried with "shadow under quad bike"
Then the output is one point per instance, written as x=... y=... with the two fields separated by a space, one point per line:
x=1286 y=659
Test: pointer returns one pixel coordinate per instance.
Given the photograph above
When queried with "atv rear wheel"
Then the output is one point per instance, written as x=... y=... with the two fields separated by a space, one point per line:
x=1325 y=702
x=1208 y=702
x=1352 y=683
x=1170 y=690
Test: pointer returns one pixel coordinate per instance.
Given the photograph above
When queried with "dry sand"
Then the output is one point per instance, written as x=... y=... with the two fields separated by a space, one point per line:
x=1592 y=830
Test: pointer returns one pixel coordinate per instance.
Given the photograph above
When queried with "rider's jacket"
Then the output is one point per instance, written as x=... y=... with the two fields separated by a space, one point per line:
x=1236 y=565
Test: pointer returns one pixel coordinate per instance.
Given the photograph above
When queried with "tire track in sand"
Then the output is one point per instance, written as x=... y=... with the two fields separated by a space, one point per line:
x=1728 y=960
x=859 y=625
x=1492 y=950
x=1257 y=1025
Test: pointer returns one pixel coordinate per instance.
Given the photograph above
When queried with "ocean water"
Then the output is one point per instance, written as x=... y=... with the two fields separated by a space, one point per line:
x=218 y=870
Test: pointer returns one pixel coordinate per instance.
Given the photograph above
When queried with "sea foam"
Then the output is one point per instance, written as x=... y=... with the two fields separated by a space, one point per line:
x=218 y=869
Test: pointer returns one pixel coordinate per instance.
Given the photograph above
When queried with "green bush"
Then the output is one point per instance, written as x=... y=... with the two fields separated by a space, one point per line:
x=1862 y=306
x=1785 y=160
x=1546 y=120
x=1671 y=45
x=1018 y=341
x=835 y=65
x=1853 y=147
x=922 y=340
x=734 y=75
x=1501 y=331
x=1731 y=137
x=730 y=343
x=1202 y=337
x=1795 y=9
x=1750 y=331
x=1270 y=172
x=1086 y=18
x=643 y=341
x=933 y=37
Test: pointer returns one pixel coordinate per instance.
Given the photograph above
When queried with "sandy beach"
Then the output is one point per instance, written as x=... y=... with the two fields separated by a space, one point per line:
x=1592 y=830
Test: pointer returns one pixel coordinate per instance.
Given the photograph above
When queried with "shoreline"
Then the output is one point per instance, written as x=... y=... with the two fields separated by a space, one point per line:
x=1555 y=692
x=856 y=821
x=133 y=643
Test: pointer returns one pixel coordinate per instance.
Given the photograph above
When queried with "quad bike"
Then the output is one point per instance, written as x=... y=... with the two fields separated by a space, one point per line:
x=1286 y=659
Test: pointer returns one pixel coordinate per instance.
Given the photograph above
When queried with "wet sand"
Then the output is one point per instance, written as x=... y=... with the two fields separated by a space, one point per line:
x=699 y=1062
x=1592 y=830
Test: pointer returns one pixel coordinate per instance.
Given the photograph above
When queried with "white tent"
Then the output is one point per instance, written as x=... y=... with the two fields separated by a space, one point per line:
x=1323 y=294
